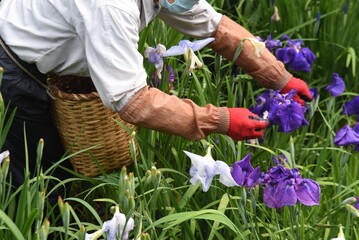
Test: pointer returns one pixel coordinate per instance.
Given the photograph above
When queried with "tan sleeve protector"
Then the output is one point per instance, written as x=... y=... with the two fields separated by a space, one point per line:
x=154 y=109
x=266 y=69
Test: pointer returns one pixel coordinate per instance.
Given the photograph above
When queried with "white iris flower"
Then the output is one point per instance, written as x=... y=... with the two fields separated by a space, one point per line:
x=117 y=226
x=204 y=168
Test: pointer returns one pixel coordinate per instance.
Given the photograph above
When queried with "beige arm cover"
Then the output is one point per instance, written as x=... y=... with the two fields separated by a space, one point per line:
x=266 y=69
x=154 y=109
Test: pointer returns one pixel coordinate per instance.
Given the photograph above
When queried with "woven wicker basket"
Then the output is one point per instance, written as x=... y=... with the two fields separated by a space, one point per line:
x=83 y=122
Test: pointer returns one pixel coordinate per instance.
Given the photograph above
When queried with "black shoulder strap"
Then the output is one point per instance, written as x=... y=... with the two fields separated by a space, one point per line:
x=29 y=69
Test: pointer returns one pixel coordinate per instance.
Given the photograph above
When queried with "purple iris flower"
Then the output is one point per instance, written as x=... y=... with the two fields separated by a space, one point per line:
x=337 y=86
x=345 y=8
x=155 y=55
x=171 y=75
x=155 y=81
x=263 y=102
x=351 y=107
x=259 y=38
x=356 y=129
x=291 y=116
x=346 y=136
x=308 y=192
x=284 y=187
x=281 y=160
x=285 y=37
x=318 y=16
x=279 y=173
x=314 y=92
x=356 y=204
x=268 y=102
x=298 y=58
x=280 y=194
x=282 y=110
x=244 y=174
x=272 y=44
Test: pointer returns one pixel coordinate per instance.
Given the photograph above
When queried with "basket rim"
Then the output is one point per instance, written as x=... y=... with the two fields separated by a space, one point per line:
x=57 y=93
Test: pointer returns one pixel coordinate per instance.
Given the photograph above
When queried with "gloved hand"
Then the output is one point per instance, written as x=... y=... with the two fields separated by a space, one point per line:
x=244 y=124
x=302 y=93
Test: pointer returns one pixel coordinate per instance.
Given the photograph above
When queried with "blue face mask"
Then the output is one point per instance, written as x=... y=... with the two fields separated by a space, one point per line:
x=179 y=6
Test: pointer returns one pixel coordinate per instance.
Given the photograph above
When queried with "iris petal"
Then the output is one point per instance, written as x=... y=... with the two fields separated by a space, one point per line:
x=174 y=51
x=346 y=136
x=238 y=175
x=199 y=44
x=291 y=117
x=269 y=195
x=351 y=107
x=286 y=55
x=253 y=178
x=203 y=169
x=337 y=86
x=299 y=63
x=285 y=194
x=241 y=169
x=308 y=192
x=224 y=172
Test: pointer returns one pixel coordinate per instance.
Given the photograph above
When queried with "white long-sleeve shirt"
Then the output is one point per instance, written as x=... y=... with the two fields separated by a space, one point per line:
x=97 y=38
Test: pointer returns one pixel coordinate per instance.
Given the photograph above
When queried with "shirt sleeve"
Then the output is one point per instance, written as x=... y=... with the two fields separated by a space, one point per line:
x=200 y=22
x=111 y=35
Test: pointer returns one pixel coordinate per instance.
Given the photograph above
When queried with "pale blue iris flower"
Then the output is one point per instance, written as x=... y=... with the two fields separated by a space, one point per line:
x=187 y=48
x=155 y=56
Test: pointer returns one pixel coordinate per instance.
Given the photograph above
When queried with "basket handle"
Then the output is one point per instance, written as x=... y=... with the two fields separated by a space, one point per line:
x=49 y=94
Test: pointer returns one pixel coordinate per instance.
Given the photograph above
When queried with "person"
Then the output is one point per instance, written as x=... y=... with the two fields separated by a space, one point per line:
x=99 y=39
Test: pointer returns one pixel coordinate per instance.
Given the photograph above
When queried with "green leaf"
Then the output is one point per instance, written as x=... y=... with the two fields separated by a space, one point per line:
x=209 y=214
x=29 y=222
x=11 y=225
x=222 y=207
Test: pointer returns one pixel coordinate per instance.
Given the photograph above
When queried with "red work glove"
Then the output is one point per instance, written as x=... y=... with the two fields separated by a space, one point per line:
x=302 y=93
x=244 y=124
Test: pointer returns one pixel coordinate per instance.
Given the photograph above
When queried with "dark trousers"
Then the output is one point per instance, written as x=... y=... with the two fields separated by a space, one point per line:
x=32 y=114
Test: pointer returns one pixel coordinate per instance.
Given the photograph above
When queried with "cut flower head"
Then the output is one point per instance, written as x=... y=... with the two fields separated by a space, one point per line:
x=282 y=110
